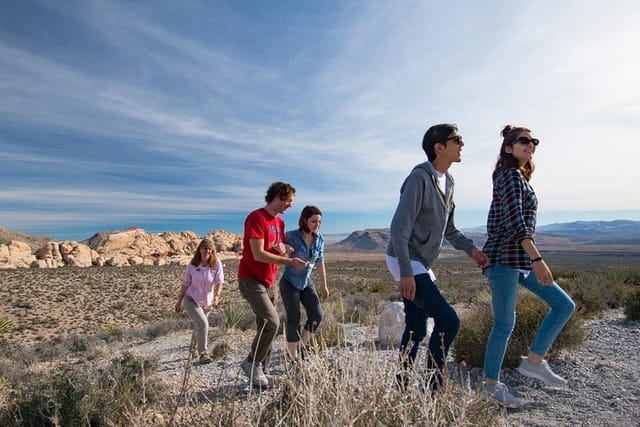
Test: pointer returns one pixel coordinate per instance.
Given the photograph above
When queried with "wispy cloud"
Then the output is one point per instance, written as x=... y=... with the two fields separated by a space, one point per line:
x=187 y=110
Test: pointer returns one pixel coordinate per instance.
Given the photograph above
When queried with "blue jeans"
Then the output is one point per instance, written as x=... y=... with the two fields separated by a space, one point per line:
x=428 y=302
x=504 y=291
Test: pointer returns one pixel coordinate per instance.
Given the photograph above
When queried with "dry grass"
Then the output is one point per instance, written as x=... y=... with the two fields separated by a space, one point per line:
x=64 y=314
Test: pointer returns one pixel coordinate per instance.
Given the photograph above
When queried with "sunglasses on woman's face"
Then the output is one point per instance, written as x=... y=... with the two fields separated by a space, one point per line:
x=526 y=141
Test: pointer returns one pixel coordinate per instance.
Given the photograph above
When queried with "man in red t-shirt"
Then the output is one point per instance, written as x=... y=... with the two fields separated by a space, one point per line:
x=263 y=250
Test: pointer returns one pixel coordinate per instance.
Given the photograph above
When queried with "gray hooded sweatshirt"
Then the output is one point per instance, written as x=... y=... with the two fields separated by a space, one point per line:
x=423 y=218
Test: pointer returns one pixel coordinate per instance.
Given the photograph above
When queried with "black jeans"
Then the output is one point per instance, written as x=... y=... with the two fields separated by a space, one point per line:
x=428 y=302
x=292 y=297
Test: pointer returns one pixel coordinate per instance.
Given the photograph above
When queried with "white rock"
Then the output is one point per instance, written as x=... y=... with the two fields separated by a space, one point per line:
x=391 y=326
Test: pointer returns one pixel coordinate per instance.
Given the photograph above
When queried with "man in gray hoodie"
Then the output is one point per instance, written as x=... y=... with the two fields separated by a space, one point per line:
x=423 y=218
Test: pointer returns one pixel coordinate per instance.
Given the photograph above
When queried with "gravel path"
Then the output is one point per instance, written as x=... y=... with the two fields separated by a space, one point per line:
x=604 y=375
x=604 y=381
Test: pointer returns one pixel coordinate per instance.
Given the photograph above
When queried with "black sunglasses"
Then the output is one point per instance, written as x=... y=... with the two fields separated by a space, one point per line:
x=457 y=139
x=526 y=141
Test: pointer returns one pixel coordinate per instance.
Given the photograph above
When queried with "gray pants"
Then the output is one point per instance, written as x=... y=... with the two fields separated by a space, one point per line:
x=200 y=322
x=261 y=299
x=292 y=297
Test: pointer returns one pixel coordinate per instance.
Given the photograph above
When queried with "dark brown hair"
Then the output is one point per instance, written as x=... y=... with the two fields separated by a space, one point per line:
x=213 y=258
x=307 y=212
x=282 y=190
x=506 y=160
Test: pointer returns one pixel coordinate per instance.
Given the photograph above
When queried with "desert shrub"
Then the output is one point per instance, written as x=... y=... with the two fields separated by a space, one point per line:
x=329 y=334
x=235 y=316
x=166 y=327
x=596 y=292
x=360 y=308
x=378 y=287
x=128 y=388
x=56 y=399
x=631 y=276
x=350 y=387
x=471 y=341
x=77 y=395
x=5 y=326
x=632 y=306
x=566 y=274
x=59 y=346
x=6 y=390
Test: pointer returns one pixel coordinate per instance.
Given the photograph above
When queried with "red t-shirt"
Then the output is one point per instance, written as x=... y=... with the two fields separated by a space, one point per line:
x=260 y=224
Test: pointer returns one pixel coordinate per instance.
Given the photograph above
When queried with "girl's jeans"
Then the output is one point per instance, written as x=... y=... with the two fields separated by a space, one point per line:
x=428 y=302
x=504 y=290
x=292 y=297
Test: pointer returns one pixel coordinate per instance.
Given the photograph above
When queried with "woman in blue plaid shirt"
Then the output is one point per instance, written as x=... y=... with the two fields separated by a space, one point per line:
x=514 y=259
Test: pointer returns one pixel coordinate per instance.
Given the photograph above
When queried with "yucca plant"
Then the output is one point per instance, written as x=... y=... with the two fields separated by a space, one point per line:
x=5 y=326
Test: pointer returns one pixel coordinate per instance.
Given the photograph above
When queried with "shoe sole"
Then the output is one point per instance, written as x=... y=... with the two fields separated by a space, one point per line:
x=535 y=376
x=503 y=404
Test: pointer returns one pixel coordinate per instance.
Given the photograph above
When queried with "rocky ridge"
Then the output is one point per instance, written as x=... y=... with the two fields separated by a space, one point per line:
x=133 y=246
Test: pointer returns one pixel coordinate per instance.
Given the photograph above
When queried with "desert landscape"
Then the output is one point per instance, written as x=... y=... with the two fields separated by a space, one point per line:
x=92 y=314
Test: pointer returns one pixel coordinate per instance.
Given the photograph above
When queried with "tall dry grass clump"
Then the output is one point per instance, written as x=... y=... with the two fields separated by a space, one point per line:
x=341 y=386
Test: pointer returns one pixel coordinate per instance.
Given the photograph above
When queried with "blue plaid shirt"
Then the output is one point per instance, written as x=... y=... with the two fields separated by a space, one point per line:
x=512 y=217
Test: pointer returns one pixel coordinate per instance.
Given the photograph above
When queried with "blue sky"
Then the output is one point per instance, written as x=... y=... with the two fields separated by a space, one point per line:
x=178 y=115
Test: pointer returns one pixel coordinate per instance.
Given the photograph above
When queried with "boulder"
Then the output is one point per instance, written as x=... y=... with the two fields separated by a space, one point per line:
x=50 y=254
x=391 y=325
x=76 y=254
x=15 y=255
x=118 y=261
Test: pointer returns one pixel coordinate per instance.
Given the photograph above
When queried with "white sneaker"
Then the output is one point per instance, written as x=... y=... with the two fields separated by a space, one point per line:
x=253 y=370
x=499 y=393
x=541 y=371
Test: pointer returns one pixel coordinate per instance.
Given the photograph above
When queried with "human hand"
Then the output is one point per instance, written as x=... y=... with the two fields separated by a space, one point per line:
x=178 y=307
x=283 y=249
x=480 y=258
x=216 y=300
x=543 y=273
x=408 y=288
x=297 y=262
x=325 y=293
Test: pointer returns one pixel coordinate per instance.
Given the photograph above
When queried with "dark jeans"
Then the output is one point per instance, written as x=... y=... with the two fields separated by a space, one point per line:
x=428 y=302
x=292 y=297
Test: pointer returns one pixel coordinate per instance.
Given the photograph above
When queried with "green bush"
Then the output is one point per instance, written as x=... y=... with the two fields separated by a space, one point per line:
x=596 y=292
x=632 y=306
x=470 y=344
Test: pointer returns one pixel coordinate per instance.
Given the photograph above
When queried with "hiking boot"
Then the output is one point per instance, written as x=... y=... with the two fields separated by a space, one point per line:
x=205 y=358
x=499 y=393
x=253 y=370
x=541 y=371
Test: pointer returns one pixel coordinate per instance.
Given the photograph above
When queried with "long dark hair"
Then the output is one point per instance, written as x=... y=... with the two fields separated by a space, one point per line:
x=506 y=160
x=307 y=212
x=213 y=258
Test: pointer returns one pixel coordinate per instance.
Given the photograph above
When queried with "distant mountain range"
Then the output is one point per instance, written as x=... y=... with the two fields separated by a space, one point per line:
x=599 y=233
